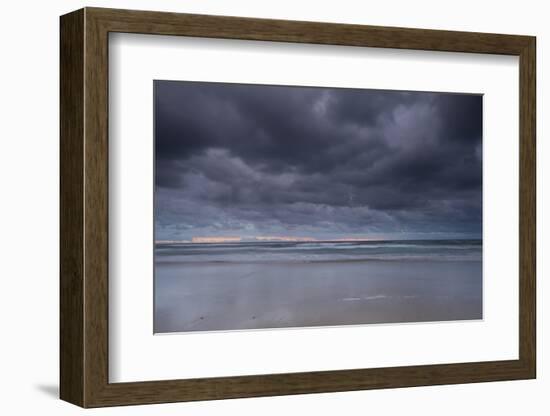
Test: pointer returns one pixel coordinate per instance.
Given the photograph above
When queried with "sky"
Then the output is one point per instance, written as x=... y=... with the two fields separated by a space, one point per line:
x=241 y=160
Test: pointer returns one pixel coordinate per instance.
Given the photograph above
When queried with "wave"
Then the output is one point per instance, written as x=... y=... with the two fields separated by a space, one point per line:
x=437 y=250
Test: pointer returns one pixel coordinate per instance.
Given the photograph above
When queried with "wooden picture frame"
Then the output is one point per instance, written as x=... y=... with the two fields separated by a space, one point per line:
x=84 y=207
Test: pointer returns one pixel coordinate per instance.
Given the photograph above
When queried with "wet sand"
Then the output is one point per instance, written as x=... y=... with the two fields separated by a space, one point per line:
x=228 y=296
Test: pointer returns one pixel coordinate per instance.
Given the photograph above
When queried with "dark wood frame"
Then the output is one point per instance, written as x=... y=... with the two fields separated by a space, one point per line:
x=84 y=209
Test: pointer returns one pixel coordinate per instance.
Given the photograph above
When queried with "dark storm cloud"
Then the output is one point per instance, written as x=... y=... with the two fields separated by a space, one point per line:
x=248 y=160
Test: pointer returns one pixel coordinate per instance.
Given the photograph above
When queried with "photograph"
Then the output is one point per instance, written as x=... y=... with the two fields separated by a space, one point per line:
x=279 y=206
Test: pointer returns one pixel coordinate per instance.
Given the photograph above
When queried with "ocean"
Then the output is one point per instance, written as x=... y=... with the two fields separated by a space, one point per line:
x=262 y=285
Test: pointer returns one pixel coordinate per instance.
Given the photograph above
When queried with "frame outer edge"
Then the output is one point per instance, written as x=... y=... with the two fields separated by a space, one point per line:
x=71 y=290
x=528 y=337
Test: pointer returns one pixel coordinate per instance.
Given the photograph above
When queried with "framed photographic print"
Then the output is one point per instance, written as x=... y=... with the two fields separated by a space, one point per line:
x=255 y=207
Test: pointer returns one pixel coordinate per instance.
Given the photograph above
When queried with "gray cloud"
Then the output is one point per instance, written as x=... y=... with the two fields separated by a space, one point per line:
x=249 y=160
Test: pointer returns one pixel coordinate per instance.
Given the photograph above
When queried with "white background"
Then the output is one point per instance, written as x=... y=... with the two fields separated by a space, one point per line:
x=29 y=220
x=136 y=355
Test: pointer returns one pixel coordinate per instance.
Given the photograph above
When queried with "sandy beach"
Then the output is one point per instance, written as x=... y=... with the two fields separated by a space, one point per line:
x=212 y=296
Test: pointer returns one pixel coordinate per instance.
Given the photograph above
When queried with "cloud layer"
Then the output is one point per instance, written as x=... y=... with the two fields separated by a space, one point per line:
x=249 y=160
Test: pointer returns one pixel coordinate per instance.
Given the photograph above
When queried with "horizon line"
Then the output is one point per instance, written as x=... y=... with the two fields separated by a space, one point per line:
x=222 y=240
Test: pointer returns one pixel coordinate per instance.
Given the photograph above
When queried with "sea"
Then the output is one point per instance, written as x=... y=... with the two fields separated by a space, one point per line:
x=295 y=284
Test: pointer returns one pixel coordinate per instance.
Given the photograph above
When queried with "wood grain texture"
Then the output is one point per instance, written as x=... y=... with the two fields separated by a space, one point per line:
x=84 y=207
x=162 y=23
x=71 y=208
x=527 y=208
x=96 y=208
